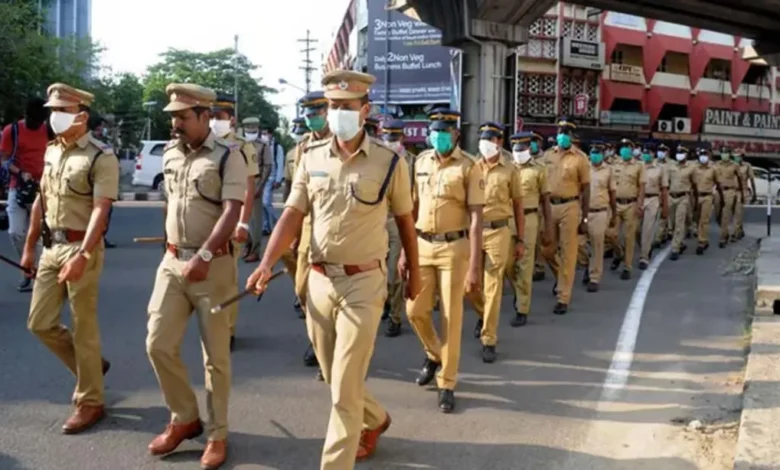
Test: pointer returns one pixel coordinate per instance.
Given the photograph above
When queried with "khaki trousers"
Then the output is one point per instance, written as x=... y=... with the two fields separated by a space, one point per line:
x=598 y=224
x=443 y=269
x=728 y=213
x=703 y=220
x=649 y=226
x=80 y=350
x=302 y=269
x=497 y=249
x=739 y=213
x=678 y=215
x=566 y=220
x=627 y=220
x=521 y=272
x=343 y=315
x=395 y=285
x=173 y=301
x=256 y=227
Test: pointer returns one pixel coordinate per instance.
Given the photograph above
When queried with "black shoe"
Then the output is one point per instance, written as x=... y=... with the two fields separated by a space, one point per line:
x=688 y=235
x=538 y=276
x=478 y=328
x=608 y=254
x=722 y=245
x=555 y=289
x=592 y=287
x=657 y=245
x=108 y=244
x=615 y=263
x=625 y=275
x=683 y=247
x=520 y=320
x=446 y=401
x=643 y=265
x=386 y=311
x=392 y=329
x=560 y=308
x=699 y=250
x=586 y=277
x=25 y=285
x=309 y=358
x=427 y=373
x=232 y=343
x=488 y=354
x=674 y=256
x=319 y=375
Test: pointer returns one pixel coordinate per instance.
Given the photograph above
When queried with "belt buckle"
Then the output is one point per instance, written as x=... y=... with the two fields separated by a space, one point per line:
x=59 y=236
x=185 y=254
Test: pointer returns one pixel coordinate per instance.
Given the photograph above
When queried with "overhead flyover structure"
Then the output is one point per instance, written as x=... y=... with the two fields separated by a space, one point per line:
x=488 y=31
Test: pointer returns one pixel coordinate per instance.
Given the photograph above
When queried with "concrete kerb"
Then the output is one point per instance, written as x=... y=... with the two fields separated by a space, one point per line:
x=758 y=445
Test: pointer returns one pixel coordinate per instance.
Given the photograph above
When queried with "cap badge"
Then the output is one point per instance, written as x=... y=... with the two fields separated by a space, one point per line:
x=343 y=85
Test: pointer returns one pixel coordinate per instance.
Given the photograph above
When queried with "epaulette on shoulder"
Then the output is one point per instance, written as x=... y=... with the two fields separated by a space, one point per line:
x=102 y=146
x=313 y=144
x=233 y=146
x=240 y=138
x=425 y=153
x=381 y=145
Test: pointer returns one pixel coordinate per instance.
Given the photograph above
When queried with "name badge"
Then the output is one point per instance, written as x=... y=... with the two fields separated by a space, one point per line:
x=318 y=174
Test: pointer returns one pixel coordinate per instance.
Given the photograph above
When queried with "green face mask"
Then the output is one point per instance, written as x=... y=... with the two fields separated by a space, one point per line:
x=315 y=123
x=647 y=158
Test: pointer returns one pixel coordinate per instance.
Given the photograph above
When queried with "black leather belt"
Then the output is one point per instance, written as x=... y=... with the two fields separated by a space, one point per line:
x=626 y=200
x=442 y=237
x=598 y=209
x=703 y=195
x=681 y=194
x=729 y=187
x=496 y=224
x=556 y=201
x=651 y=195
x=530 y=210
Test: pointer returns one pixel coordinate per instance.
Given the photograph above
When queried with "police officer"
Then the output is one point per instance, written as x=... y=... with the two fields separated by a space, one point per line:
x=748 y=179
x=731 y=186
x=197 y=270
x=663 y=234
x=537 y=152
x=352 y=178
x=449 y=192
x=503 y=207
x=80 y=182
x=602 y=214
x=682 y=189
x=265 y=163
x=630 y=195
x=536 y=199
x=222 y=124
x=707 y=180
x=656 y=199
x=568 y=174
x=393 y=137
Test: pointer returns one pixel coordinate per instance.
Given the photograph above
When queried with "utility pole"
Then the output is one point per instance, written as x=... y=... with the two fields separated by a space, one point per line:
x=235 y=73
x=307 y=63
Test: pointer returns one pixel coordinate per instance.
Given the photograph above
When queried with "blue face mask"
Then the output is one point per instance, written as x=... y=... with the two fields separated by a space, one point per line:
x=315 y=123
x=625 y=153
x=596 y=158
x=534 y=147
x=564 y=141
x=441 y=141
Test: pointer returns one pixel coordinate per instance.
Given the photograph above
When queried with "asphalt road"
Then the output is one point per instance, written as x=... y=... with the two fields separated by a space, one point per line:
x=539 y=407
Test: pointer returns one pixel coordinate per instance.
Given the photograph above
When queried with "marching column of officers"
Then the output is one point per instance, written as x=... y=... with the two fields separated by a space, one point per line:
x=366 y=226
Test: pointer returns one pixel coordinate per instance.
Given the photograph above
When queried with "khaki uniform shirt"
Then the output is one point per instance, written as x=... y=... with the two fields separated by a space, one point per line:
x=502 y=186
x=628 y=178
x=656 y=178
x=745 y=172
x=347 y=228
x=248 y=153
x=444 y=190
x=533 y=177
x=602 y=181
x=705 y=177
x=728 y=174
x=567 y=171
x=680 y=177
x=195 y=190
x=409 y=159
x=71 y=183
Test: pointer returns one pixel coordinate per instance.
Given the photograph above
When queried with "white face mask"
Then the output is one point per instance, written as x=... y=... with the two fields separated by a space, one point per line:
x=297 y=138
x=522 y=157
x=220 y=127
x=61 y=121
x=637 y=152
x=680 y=157
x=609 y=153
x=487 y=148
x=344 y=123
x=395 y=145
x=251 y=136
x=703 y=159
x=661 y=154
x=265 y=138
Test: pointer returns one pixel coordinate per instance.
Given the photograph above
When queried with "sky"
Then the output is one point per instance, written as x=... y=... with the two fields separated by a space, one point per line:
x=134 y=32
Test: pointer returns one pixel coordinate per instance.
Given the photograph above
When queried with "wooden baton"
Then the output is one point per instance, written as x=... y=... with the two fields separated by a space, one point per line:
x=218 y=308
x=148 y=240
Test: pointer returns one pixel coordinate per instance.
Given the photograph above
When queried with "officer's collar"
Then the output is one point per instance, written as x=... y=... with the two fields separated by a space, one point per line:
x=456 y=154
x=501 y=160
x=81 y=142
x=364 y=147
x=209 y=143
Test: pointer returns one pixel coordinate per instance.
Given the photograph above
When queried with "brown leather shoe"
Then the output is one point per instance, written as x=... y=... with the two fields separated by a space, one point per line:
x=173 y=436
x=369 y=438
x=83 y=418
x=214 y=455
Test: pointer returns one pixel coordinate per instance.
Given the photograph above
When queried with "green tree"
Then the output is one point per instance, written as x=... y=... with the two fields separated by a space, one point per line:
x=216 y=70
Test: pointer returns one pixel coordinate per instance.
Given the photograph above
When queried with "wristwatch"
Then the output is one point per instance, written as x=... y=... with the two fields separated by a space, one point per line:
x=205 y=255
x=585 y=219
x=243 y=226
x=85 y=254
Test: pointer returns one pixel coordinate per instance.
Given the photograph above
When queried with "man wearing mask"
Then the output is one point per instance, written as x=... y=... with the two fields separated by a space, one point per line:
x=630 y=195
x=539 y=269
x=731 y=185
x=393 y=137
x=747 y=179
x=526 y=148
x=602 y=215
x=663 y=234
x=568 y=174
x=22 y=147
x=681 y=186
x=610 y=156
x=372 y=126
x=265 y=164
x=707 y=180
x=80 y=181
x=275 y=181
x=449 y=192
x=503 y=207
x=355 y=180
x=656 y=198
x=223 y=123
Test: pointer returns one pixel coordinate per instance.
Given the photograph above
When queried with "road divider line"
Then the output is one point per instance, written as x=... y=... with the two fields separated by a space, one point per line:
x=620 y=367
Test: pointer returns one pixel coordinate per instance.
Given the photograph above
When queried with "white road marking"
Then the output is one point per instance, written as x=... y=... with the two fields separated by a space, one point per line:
x=617 y=375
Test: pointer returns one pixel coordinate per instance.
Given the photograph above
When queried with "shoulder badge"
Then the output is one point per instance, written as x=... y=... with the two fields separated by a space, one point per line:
x=104 y=147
